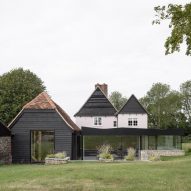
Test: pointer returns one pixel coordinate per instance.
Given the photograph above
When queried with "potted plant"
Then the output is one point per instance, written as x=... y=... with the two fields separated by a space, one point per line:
x=105 y=153
x=58 y=158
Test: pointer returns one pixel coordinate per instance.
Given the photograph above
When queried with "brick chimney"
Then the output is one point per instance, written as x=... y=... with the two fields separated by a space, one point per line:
x=103 y=87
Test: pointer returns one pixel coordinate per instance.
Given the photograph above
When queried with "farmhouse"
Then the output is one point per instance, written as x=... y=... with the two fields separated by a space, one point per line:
x=42 y=127
x=101 y=123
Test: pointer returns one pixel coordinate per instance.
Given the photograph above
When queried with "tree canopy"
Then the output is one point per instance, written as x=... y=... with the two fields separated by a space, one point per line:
x=117 y=100
x=179 y=17
x=168 y=108
x=17 y=87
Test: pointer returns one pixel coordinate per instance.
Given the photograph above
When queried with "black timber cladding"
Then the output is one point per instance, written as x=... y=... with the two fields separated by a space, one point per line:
x=4 y=131
x=131 y=131
x=132 y=106
x=37 y=119
x=97 y=105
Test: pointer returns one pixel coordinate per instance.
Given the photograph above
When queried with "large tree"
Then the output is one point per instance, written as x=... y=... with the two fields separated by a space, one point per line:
x=179 y=17
x=164 y=107
x=117 y=100
x=17 y=87
x=185 y=89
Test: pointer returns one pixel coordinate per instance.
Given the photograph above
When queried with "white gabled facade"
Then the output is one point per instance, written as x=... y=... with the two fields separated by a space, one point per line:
x=124 y=120
x=98 y=107
x=106 y=122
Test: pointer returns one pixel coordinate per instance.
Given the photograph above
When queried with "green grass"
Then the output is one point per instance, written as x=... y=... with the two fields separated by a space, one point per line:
x=170 y=175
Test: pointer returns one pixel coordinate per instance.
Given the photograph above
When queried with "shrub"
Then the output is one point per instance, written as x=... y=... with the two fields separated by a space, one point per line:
x=50 y=156
x=60 y=155
x=186 y=147
x=105 y=151
x=130 y=154
x=154 y=157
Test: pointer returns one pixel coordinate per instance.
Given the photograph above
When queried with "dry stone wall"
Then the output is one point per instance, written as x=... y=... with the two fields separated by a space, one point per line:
x=5 y=150
x=146 y=153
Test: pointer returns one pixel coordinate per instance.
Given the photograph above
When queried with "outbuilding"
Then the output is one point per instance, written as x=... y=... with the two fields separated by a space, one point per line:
x=42 y=127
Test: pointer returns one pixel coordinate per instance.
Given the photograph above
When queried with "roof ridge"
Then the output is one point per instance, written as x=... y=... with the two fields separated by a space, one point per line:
x=52 y=103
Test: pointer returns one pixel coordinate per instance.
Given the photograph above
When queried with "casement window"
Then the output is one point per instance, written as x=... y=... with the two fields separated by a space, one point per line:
x=115 y=123
x=97 y=121
x=135 y=122
x=132 y=122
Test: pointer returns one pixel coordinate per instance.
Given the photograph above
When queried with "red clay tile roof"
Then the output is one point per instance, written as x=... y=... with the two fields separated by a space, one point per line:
x=43 y=101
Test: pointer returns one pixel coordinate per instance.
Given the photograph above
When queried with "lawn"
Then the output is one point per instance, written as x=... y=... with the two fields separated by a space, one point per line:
x=173 y=174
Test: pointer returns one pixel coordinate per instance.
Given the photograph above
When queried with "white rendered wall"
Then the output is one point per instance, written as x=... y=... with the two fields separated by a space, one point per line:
x=141 y=118
x=107 y=122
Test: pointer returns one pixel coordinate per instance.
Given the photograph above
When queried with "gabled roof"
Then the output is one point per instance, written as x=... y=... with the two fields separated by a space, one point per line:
x=132 y=106
x=43 y=101
x=97 y=105
x=4 y=131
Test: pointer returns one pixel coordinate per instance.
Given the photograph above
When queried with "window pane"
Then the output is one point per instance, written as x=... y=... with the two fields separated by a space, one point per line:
x=168 y=142
x=152 y=142
x=42 y=144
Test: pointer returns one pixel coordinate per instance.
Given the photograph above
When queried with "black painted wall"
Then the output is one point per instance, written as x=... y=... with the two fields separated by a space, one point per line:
x=39 y=120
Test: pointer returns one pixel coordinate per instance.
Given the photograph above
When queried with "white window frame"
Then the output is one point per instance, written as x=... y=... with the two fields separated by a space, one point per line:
x=135 y=120
x=97 y=121
x=115 y=123
x=130 y=119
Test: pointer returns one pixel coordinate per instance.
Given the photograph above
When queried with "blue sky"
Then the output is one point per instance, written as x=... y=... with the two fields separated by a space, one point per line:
x=73 y=45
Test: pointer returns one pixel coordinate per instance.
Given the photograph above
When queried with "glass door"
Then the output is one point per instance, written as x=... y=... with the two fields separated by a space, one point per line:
x=42 y=144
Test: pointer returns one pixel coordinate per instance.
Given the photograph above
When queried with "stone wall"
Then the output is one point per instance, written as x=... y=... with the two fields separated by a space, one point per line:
x=5 y=150
x=146 y=153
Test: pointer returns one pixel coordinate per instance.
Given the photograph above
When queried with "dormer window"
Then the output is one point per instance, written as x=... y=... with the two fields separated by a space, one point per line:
x=97 y=121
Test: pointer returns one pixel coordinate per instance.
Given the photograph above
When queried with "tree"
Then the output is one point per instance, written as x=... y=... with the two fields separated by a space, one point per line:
x=185 y=89
x=180 y=25
x=117 y=100
x=164 y=107
x=17 y=87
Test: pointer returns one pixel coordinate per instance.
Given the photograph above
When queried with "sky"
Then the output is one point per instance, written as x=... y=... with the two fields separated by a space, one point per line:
x=74 y=44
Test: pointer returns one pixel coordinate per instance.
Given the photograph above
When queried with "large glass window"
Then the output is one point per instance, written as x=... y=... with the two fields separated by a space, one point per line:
x=152 y=143
x=42 y=144
x=119 y=144
x=166 y=142
x=144 y=144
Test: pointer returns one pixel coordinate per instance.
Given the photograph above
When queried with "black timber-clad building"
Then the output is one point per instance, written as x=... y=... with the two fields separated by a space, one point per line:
x=41 y=128
x=4 y=131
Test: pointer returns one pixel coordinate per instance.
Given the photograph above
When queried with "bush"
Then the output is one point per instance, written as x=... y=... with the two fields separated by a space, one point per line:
x=105 y=151
x=60 y=155
x=186 y=147
x=106 y=156
x=154 y=157
x=130 y=154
